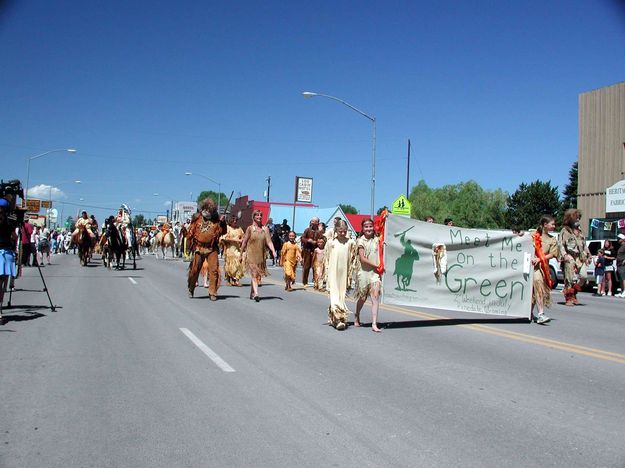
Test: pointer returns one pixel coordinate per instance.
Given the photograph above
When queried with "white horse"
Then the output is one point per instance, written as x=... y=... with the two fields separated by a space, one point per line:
x=165 y=241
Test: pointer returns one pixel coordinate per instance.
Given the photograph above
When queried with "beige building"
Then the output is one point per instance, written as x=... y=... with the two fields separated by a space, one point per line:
x=601 y=177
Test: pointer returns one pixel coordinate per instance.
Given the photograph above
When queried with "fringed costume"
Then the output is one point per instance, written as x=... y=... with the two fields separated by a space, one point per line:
x=256 y=255
x=233 y=264
x=204 y=236
x=318 y=268
x=366 y=275
x=289 y=255
x=543 y=245
x=340 y=257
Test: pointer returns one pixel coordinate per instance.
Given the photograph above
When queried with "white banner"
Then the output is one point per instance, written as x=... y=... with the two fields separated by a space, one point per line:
x=452 y=268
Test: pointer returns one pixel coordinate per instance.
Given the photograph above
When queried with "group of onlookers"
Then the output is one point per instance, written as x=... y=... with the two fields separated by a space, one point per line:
x=609 y=263
x=38 y=244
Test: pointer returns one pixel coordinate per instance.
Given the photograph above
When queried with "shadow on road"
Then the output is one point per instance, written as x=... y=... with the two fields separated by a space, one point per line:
x=447 y=322
x=20 y=318
x=220 y=297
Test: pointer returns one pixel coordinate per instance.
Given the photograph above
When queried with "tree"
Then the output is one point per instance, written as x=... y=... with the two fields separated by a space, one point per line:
x=348 y=209
x=215 y=196
x=530 y=202
x=138 y=220
x=467 y=203
x=569 y=199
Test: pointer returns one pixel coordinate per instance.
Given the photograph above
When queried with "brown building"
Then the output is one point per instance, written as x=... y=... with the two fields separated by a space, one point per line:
x=601 y=173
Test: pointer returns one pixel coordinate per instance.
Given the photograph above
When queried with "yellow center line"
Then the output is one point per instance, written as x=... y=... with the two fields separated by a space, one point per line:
x=522 y=337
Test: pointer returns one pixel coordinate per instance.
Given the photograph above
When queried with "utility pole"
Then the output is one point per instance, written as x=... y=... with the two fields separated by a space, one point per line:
x=268 y=187
x=408 y=172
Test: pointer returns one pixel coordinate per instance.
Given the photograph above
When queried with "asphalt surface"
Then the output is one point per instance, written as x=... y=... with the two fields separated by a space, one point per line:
x=128 y=371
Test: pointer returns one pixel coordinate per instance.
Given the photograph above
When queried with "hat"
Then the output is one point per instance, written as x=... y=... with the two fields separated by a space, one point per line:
x=621 y=237
x=4 y=202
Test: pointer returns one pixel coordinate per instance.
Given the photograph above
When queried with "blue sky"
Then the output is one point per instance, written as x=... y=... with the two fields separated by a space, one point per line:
x=146 y=91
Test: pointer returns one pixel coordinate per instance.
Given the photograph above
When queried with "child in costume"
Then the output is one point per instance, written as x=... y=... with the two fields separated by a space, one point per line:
x=290 y=255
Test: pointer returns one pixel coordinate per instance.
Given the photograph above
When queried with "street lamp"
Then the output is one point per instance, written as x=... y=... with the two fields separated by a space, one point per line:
x=213 y=181
x=308 y=94
x=69 y=150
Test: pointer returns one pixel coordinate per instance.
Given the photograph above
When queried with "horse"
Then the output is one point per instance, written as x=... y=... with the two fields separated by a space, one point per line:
x=165 y=241
x=115 y=247
x=84 y=247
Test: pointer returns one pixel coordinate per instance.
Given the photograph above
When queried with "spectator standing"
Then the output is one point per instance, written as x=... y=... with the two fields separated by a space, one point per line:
x=620 y=263
x=27 y=249
x=34 y=242
x=43 y=246
x=609 y=254
x=600 y=272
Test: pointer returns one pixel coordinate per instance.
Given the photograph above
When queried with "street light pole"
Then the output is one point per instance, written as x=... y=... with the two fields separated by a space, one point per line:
x=213 y=181
x=308 y=94
x=69 y=150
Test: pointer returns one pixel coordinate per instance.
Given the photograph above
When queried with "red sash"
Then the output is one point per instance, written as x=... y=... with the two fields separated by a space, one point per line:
x=379 y=228
x=542 y=259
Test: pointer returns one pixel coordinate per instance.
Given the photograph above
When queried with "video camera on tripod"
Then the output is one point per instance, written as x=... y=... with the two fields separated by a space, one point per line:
x=10 y=191
x=15 y=218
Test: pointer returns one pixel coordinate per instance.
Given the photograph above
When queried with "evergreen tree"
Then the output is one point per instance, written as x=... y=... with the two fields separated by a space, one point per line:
x=530 y=202
x=569 y=199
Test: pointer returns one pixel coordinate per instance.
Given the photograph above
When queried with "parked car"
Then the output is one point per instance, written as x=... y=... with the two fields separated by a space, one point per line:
x=557 y=274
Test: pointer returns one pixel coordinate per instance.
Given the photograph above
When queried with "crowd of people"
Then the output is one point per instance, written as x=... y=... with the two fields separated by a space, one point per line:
x=332 y=256
x=335 y=259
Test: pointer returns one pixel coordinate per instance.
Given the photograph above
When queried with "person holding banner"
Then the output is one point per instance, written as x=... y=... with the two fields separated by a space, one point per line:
x=339 y=257
x=545 y=248
x=368 y=280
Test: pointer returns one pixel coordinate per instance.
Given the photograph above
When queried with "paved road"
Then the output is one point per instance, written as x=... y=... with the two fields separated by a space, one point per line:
x=130 y=372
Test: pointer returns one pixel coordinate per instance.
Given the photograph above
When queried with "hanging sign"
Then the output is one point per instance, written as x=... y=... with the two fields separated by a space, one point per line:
x=303 y=189
x=615 y=197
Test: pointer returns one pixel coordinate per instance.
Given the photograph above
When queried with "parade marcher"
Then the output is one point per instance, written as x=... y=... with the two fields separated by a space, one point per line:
x=368 y=281
x=231 y=245
x=573 y=256
x=330 y=233
x=204 y=232
x=319 y=264
x=284 y=230
x=309 y=244
x=545 y=248
x=339 y=256
x=8 y=240
x=290 y=256
x=255 y=241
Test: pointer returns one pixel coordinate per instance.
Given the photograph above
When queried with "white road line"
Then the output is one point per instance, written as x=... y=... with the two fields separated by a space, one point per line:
x=223 y=365
x=132 y=280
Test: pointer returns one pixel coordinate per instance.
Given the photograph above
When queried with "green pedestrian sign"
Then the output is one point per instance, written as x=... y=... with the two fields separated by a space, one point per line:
x=401 y=206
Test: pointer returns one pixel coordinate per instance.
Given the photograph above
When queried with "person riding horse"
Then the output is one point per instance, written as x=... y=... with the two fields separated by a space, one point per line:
x=84 y=222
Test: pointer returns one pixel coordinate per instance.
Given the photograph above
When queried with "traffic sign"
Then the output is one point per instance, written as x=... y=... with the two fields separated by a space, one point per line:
x=401 y=206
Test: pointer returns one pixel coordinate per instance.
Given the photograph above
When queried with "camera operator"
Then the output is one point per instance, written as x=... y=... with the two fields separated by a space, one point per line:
x=8 y=239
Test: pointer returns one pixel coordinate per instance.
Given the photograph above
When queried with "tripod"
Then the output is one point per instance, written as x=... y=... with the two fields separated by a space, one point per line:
x=19 y=270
